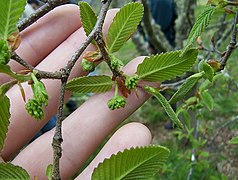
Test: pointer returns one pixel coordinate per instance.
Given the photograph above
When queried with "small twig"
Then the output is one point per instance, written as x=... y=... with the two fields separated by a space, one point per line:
x=17 y=58
x=224 y=36
x=51 y=4
x=193 y=156
x=39 y=74
x=57 y=139
x=174 y=85
x=232 y=44
x=228 y=123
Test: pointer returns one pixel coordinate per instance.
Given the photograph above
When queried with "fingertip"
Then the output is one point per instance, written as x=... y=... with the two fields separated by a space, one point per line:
x=130 y=135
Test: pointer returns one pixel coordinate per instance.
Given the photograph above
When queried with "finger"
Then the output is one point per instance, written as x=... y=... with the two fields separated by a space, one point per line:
x=20 y=120
x=130 y=135
x=39 y=39
x=83 y=131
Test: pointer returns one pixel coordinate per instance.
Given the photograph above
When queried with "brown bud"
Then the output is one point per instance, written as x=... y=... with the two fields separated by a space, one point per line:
x=92 y=56
x=14 y=40
x=199 y=41
x=214 y=64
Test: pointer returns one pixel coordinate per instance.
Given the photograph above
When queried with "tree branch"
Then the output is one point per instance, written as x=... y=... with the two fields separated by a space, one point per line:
x=39 y=74
x=51 y=4
x=232 y=44
x=57 y=139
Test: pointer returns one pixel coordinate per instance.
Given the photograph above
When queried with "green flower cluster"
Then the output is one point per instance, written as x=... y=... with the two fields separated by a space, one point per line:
x=40 y=98
x=116 y=102
x=87 y=66
x=131 y=81
x=4 y=52
x=115 y=63
x=34 y=108
x=40 y=93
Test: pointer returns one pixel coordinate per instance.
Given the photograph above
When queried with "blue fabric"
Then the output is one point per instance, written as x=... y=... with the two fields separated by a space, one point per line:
x=164 y=14
x=50 y=125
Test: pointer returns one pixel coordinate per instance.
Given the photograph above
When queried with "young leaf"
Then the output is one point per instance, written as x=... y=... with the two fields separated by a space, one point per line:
x=209 y=72
x=4 y=119
x=234 y=140
x=10 y=171
x=94 y=84
x=207 y=100
x=123 y=25
x=49 y=171
x=88 y=17
x=199 y=26
x=135 y=163
x=11 y=11
x=168 y=109
x=166 y=66
x=186 y=87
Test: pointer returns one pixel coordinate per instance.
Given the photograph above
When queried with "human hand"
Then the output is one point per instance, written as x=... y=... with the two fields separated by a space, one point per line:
x=48 y=45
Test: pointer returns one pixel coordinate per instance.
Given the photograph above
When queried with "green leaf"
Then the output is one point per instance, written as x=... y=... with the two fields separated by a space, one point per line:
x=135 y=163
x=234 y=140
x=209 y=72
x=201 y=23
x=4 y=119
x=123 y=25
x=11 y=11
x=207 y=100
x=88 y=17
x=166 y=66
x=168 y=109
x=10 y=171
x=94 y=84
x=186 y=87
x=5 y=87
x=4 y=52
x=49 y=171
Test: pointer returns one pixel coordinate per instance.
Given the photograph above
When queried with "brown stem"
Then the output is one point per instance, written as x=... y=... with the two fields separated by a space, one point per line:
x=39 y=74
x=232 y=44
x=51 y=4
x=57 y=139
x=15 y=57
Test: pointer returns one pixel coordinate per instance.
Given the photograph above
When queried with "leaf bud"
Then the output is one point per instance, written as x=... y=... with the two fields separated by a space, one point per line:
x=87 y=66
x=115 y=63
x=214 y=64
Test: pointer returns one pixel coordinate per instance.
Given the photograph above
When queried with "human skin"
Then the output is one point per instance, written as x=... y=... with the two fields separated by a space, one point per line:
x=48 y=45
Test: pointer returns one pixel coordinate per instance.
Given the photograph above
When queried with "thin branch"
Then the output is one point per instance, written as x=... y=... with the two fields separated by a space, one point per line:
x=39 y=74
x=17 y=58
x=57 y=139
x=232 y=44
x=174 y=85
x=193 y=156
x=224 y=36
x=51 y=4
x=228 y=123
